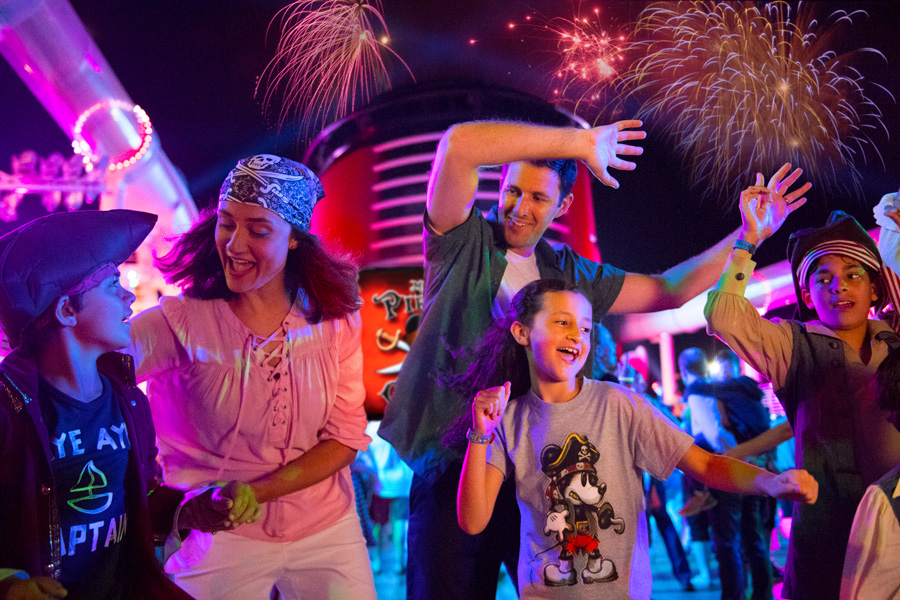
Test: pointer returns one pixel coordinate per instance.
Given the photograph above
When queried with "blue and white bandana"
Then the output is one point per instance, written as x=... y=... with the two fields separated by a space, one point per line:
x=287 y=188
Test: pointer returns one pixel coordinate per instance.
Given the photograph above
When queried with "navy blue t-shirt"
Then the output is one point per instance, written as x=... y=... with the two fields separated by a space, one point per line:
x=89 y=456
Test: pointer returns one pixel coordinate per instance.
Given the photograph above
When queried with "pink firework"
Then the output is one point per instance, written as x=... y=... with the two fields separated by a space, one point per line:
x=329 y=60
x=591 y=57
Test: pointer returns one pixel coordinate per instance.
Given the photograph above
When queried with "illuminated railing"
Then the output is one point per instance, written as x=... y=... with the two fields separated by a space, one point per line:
x=60 y=182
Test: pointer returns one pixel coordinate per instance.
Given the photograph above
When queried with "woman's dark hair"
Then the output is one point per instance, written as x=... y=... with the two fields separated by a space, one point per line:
x=497 y=357
x=327 y=279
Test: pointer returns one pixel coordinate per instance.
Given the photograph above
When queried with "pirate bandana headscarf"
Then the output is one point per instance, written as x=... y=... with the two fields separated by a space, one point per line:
x=287 y=188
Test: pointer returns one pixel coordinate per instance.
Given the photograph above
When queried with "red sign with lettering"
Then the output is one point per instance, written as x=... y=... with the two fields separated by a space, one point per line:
x=391 y=311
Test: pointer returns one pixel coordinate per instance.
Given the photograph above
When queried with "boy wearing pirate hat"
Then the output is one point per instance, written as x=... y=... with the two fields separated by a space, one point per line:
x=821 y=367
x=79 y=492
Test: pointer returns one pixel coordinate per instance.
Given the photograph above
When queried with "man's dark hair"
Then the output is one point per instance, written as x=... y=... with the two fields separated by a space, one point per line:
x=565 y=168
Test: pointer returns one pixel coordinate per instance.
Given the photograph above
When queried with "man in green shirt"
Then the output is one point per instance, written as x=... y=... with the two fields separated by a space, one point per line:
x=473 y=267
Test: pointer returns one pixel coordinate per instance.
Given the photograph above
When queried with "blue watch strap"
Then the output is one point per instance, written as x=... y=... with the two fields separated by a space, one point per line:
x=745 y=245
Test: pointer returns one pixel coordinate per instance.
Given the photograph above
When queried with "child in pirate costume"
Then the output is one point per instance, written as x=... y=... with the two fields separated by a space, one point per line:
x=822 y=369
x=79 y=495
x=577 y=449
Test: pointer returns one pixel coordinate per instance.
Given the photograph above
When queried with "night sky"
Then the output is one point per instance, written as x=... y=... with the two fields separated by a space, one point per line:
x=193 y=67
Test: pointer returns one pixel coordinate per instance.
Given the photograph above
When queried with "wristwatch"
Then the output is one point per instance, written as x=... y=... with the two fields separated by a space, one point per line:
x=744 y=245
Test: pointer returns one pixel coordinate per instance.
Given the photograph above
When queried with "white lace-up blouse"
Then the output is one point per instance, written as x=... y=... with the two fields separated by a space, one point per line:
x=228 y=404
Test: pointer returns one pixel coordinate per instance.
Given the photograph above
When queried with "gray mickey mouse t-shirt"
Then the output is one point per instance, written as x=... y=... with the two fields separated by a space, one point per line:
x=577 y=469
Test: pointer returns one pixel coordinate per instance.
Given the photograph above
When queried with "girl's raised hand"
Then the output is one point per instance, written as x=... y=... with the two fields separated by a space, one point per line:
x=488 y=407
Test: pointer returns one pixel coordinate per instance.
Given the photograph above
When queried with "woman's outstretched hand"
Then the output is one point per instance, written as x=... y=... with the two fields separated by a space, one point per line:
x=796 y=485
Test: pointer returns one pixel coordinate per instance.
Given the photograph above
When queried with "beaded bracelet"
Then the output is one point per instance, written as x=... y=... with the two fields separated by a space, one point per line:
x=479 y=439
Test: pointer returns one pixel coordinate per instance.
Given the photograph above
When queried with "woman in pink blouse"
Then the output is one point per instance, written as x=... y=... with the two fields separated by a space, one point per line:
x=255 y=374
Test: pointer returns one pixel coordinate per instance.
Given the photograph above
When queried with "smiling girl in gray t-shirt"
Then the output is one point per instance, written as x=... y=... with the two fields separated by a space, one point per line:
x=576 y=448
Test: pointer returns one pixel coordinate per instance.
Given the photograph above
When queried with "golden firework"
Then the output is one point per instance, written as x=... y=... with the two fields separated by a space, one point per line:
x=744 y=88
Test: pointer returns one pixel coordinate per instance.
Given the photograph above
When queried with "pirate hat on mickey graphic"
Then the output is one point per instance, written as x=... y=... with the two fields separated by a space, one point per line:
x=577 y=455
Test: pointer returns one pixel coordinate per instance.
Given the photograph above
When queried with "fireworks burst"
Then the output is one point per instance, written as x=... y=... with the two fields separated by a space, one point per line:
x=590 y=58
x=746 y=89
x=328 y=60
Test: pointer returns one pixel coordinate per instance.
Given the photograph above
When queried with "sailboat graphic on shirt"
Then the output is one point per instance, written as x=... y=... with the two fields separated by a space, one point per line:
x=91 y=479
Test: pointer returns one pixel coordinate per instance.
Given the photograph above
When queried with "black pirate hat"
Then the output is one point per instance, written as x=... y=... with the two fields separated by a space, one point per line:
x=840 y=226
x=47 y=257
x=577 y=455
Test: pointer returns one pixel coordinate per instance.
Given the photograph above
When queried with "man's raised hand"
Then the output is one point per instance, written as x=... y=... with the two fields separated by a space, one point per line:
x=607 y=146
